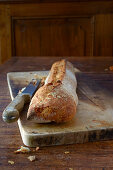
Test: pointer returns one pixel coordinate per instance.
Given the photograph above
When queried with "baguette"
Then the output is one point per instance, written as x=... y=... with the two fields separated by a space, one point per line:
x=56 y=100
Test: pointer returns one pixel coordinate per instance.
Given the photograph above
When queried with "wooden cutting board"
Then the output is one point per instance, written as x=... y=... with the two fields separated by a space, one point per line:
x=93 y=120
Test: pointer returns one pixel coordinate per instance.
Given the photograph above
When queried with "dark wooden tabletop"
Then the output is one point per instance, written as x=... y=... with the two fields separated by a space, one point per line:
x=95 y=155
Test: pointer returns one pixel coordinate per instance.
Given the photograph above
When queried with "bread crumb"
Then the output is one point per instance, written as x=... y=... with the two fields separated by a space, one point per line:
x=23 y=150
x=37 y=148
x=111 y=68
x=11 y=162
x=66 y=152
x=32 y=158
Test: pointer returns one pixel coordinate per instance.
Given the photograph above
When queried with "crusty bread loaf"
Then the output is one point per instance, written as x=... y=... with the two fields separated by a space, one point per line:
x=56 y=100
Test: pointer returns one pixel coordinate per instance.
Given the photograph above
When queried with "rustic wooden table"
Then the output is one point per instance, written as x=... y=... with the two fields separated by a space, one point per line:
x=93 y=155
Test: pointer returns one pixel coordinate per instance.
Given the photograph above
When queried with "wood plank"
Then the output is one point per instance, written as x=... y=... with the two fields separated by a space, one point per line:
x=5 y=33
x=43 y=1
x=61 y=9
x=103 y=42
x=53 y=36
x=81 y=156
x=96 y=64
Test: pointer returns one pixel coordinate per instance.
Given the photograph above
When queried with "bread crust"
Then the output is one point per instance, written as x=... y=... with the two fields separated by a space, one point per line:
x=56 y=100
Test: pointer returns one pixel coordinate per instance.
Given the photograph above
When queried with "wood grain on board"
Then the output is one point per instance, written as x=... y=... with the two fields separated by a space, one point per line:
x=92 y=122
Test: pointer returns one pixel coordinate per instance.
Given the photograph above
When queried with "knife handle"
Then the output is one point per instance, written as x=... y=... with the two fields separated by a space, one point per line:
x=11 y=113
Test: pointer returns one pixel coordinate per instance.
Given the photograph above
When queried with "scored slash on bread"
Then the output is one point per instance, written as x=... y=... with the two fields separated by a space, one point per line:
x=56 y=100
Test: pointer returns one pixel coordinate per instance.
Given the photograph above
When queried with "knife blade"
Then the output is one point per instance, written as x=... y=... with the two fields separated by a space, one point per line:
x=11 y=113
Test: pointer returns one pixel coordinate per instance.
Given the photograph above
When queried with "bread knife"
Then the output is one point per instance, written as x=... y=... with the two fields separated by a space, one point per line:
x=11 y=113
